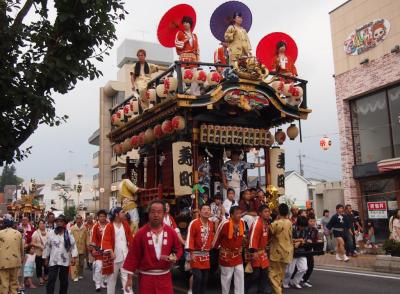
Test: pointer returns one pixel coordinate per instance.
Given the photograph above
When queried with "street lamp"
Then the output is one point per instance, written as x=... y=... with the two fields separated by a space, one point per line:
x=79 y=189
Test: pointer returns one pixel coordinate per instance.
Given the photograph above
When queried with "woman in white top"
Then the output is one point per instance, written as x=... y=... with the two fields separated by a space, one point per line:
x=39 y=239
x=395 y=226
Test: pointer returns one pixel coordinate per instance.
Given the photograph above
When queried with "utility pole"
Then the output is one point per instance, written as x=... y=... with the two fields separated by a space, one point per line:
x=300 y=156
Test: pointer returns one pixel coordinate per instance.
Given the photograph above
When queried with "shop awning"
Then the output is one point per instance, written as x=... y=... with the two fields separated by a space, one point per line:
x=389 y=165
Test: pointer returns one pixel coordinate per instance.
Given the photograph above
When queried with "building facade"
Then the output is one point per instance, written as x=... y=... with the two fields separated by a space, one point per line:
x=114 y=93
x=366 y=39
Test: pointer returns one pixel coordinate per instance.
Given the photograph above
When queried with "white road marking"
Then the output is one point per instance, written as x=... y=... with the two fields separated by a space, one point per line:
x=358 y=274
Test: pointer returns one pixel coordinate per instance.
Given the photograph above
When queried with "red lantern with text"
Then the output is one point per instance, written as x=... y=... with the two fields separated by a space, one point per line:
x=178 y=123
x=187 y=76
x=135 y=142
x=214 y=78
x=278 y=86
x=292 y=131
x=200 y=76
x=141 y=139
x=280 y=136
x=158 y=132
x=151 y=95
x=167 y=128
x=114 y=120
x=117 y=149
x=161 y=91
x=325 y=143
x=170 y=84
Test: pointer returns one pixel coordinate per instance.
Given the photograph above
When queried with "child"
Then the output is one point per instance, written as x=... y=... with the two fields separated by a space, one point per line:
x=370 y=235
x=29 y=266
x=217 y=210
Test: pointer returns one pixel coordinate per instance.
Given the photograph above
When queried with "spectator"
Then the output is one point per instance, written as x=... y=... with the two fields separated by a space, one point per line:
x=81 y=237
x=350 y=242
x=29 y=266
x=28 y=230
x=50 y=224
x=229 y=201
x=11 y=252
x=248 y=206
x=338 y=225
x=39 y=239
x=394 y=224
x=217 y=210
x=60 y=253
x=370 y=236
x=89 y=223
x=327 y=233
x=294 y=213
x=299 y=236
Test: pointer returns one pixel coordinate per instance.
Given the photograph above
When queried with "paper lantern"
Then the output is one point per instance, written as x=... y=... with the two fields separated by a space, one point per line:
x=278 y=86
x=115 y=120
x=200 y=76
x=134 y=106
x=158 y=132
x=166 y=127
x=170 y=84
x=151 y=95
x=325 y=143
x=126 y=146
x=280 y=136
x=178 y=123
x=187 y=76
x=135 y=142
x=292 y=131
x=149 y=136
x=161 y=91
x=141 y=139
x=128 y=110
x=117 y=149
x=121 y=115
x=214 y=78
x=294 y=95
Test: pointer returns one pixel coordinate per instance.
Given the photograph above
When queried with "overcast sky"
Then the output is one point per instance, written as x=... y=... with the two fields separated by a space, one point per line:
x=66 y=147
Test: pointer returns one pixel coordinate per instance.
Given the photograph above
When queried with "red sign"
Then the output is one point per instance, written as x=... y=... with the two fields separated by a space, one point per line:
x=373 y=206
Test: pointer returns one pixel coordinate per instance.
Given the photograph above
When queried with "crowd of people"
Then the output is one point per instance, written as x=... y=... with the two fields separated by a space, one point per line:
x=55 y=248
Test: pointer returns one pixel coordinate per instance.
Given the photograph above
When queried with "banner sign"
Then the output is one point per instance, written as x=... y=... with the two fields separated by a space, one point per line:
x=367 y=37
x=377 y=210
x=183 y=168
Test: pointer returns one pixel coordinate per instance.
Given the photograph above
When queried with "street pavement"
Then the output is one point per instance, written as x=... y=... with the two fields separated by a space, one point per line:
x=325 y=281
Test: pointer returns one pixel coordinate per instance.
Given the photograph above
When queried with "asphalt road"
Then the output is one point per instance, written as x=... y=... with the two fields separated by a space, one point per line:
x=324 y=281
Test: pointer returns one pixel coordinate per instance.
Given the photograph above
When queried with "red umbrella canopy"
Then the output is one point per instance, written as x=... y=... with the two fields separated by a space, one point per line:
x=266 y=48
x=171 y=23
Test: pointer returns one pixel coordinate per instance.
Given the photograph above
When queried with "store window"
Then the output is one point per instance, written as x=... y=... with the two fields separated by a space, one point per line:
x=394 y=106
x=379 y=191
x=371 y=132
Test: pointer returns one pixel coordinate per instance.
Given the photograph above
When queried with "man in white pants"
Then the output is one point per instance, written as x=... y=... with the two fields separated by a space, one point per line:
x=300 y=262
x=95 y=242
x=229 y=240
x=116 y=239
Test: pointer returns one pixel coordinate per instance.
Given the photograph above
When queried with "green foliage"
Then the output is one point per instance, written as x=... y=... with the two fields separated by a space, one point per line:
x=392 y=247
x=60 y=176
x=70 y=212
x=42 y=56
x=8 y=177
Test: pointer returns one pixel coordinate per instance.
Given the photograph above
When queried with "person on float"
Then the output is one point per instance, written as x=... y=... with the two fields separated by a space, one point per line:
x=127 y=197
x=248 y=207
x=283 y=64
x=155 y=249
x=221 y=55
x=141 y=75
x=232 y=173
x=95 y=242
x=187 y=48
x=81 y=236
x=116 y=239
x=229 y=240
x=198 y=243
x=258 y=240
x=170 y=221
x=237 y=39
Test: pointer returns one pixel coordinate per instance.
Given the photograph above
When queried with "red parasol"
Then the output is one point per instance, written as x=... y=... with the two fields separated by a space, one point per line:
x=171 y=23
x=266 y=48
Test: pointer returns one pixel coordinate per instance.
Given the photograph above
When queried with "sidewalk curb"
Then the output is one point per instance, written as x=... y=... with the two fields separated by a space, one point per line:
x=354 y=269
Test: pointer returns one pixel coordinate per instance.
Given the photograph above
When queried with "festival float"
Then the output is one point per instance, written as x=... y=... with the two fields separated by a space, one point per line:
x=201 y=111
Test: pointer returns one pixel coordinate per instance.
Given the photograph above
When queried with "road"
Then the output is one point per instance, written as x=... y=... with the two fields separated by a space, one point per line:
x=324 y=281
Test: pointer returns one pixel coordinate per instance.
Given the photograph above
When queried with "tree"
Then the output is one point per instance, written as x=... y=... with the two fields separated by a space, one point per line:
x=60 y=176
x=8 y=177
x=70 y=212
x=41 y=56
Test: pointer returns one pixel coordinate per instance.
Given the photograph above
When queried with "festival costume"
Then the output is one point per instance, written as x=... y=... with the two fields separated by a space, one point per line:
x=127 y=198
x=81 y=237
x=284 y=65
x=148 y=256
x=238 y=43
x=187 y=47
x=97 y=233
x=230 y=239
x=169 y=221
x=234 y=176
x=199 y=242
x=221 y=55
x=117 y=240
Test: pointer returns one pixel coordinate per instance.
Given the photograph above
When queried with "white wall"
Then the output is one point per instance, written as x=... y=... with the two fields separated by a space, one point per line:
x=296 y=189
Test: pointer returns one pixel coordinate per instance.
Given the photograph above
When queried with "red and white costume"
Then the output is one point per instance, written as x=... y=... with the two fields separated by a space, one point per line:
x=258 y=241
x=199 y=243
x=187 y=47
x=117 y=239
x=169 y=221
x=96 y=236
x=221 y=56
x=148 y=256
x=284 y=65
x=229 y=238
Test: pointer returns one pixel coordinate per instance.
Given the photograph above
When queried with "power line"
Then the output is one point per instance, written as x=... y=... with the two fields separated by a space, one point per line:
x=324 y=161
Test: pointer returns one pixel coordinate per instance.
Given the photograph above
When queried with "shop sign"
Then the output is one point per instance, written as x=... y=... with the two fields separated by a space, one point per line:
x=367 y=37
x=377 y=210
x=392 y=205
x=182 y=157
